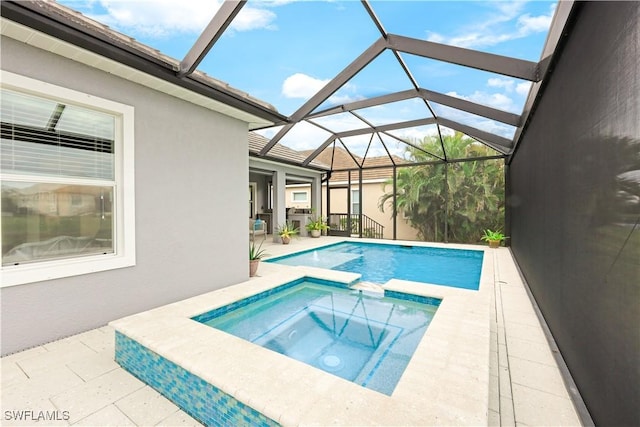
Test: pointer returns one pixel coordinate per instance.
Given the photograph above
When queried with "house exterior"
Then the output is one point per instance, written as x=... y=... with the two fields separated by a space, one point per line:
x=273 y=182
x=171 y=237
x=345 y=191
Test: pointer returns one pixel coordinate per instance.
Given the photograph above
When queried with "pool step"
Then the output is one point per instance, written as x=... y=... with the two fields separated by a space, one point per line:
x=368 y=286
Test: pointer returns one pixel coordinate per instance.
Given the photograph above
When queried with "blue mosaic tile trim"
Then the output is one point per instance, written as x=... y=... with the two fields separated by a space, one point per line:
x=201 y=400
x=411 y=297
x=205 y=317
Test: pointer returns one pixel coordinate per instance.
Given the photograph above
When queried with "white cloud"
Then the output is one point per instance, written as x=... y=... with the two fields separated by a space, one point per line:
x=304 y=136
x=528 y=24
x=436 y=37
x=251 y=18
x=495 y=100
x=477 y=122
x=493 y=30
x=342 y=98
x=523 y=88
x=417 y=133
x=162 y=18
x=507 y=84
x=340 y=122
x=302 y=86
x=470 y=40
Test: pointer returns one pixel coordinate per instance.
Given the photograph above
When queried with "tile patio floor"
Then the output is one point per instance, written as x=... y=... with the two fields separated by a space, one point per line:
x=77 y=380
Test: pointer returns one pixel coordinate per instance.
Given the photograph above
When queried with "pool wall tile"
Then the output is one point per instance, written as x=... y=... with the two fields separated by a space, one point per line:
x=201 y=400
x=412 y=297
x=205 y=317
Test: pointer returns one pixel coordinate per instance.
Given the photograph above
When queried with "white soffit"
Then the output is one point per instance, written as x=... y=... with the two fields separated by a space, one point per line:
x=45 y=42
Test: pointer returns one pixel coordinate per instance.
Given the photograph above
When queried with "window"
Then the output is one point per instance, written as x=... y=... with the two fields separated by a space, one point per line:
x=300 y=196
x=67 y=182
x=355 y=201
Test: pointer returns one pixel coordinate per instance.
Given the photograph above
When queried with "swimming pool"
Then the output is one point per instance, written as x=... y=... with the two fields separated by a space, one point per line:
x=362 y=337
x=379 y=263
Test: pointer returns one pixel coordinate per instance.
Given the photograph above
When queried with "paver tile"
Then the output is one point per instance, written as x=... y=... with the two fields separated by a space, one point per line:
x=521 y=316
x=179 y=418
x=11 y=374
x=25 y=354
x=537 y=376
x=42 y=386
x=99 y=340
x=504 y=380
x=146 y=406
x=526 y=332
x=494 y=393
x=538 y=408
x=107 y=416
x=530 y=350
x=57 y=355
x=93 y=366
x=494 y=418
x=507 y=416
x=94 y=395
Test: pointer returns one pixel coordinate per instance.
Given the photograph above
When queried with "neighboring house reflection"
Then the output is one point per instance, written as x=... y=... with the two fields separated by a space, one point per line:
x=55 y=220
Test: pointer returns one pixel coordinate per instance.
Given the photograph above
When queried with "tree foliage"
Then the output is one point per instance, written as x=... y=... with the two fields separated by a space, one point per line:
x=468 y=195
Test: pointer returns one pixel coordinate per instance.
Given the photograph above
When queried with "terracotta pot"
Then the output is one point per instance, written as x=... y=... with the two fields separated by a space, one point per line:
x=286 y=240
x=253 y=267
x=315 y=233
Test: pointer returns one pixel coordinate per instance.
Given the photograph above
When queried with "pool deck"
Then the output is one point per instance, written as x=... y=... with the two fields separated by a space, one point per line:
x=485 y=360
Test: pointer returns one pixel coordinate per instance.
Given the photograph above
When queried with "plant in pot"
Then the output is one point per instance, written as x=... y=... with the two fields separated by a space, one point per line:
x=286 y=231
x=493 y=237
x=255 y=255
x=316 y=225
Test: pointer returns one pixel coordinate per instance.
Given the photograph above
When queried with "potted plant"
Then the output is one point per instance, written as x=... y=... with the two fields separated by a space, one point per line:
x=493 y=237
x=255 y=255
x=316 y=225
x=286 y=231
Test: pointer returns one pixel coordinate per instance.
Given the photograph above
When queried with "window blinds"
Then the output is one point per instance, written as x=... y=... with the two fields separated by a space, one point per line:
x=44 y=137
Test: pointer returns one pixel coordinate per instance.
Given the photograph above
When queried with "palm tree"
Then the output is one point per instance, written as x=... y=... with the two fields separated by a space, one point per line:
x=469 y=196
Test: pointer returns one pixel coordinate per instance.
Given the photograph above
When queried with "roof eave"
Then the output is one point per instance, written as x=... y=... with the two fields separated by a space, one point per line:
x=33 y=15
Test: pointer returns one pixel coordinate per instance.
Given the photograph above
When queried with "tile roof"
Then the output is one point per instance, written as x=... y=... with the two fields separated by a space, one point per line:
x=340 y=159
x=281 y=152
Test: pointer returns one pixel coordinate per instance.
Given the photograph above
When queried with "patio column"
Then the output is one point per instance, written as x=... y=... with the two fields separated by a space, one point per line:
x=279 y=202
x=316 y=196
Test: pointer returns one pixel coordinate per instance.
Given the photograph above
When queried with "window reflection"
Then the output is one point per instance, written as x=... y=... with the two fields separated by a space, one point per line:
x=42 y=221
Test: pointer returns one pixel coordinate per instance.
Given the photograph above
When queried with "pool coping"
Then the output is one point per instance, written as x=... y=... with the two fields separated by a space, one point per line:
x=445 y=383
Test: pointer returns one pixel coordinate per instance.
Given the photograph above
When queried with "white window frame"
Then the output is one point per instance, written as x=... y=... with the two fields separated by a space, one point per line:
x=306 y=196
x=124 y=254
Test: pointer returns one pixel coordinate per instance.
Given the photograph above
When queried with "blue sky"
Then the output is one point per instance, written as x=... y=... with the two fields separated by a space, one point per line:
x=283 y=51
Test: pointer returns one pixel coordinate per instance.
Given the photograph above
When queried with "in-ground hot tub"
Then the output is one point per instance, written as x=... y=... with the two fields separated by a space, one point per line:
x=366 y=338
x=219 y=378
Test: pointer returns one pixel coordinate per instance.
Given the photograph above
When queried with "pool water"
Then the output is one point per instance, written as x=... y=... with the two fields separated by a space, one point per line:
x=379 y=263
x=365 y=338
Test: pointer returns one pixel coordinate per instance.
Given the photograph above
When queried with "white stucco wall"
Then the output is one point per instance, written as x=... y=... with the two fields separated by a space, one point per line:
x=188 y=160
